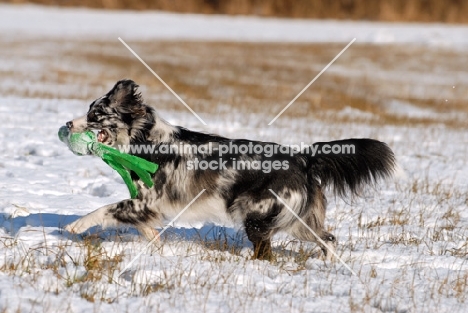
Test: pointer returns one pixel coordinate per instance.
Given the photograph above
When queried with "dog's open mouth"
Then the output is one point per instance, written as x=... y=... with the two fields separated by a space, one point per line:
x=102 y=135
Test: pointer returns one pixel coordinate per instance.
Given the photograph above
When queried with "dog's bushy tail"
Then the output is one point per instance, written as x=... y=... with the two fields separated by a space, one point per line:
x=365 y=162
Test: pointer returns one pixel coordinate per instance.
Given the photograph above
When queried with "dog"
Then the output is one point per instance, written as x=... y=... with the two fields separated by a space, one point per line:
x=278 y=192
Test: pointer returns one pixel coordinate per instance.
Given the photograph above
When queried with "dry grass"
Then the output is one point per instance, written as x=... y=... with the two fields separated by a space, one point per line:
x=395 y=254
x=214 y=77
x=451 y=11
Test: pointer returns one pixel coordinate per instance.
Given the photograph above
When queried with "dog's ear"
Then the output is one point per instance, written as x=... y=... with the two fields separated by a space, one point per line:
x=123 y=91
x=126 y=98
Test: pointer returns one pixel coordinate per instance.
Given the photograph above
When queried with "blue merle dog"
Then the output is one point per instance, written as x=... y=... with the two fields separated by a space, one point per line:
x=232 y=196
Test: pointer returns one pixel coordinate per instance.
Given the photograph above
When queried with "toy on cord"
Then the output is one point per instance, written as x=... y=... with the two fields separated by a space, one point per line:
x=86 y=143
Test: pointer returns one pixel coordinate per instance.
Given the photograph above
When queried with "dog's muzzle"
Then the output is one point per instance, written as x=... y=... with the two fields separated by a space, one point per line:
x=78 y=124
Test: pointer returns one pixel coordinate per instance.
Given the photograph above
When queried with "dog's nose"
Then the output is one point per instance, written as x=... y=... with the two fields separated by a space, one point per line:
x=69 y=124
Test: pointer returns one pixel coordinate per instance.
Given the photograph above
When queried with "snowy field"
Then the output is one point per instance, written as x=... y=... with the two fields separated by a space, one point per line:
x=405 y=84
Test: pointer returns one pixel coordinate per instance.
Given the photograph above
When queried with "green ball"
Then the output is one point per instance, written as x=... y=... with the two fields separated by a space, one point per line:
x=78 y=143
x=63 y=134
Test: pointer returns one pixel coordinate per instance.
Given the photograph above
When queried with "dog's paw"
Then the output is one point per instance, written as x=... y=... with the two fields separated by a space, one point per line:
x=329 y=252
x=76 y=227
x=69 y=228
x=149 y=233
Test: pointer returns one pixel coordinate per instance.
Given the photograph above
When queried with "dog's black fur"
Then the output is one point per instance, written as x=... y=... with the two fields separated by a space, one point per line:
x=232 y=196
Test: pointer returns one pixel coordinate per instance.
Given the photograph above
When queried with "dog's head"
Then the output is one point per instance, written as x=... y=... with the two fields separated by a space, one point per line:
x=113 y=114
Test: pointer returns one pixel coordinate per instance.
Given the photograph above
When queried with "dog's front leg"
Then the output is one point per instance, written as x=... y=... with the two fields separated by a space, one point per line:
x=101 y=216
x=131 y=212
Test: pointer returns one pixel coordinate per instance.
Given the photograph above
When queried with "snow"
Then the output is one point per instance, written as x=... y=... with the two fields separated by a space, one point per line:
x=406 y=239
x=74 y=23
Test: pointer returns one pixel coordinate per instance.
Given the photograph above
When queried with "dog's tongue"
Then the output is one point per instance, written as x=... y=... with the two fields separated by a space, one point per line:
x=101 y=137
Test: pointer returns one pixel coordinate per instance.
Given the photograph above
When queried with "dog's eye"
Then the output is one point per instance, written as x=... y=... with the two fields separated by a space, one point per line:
x=93 y=116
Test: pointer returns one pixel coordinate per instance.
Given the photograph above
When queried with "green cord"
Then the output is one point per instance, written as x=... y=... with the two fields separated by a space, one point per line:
x=86 y=143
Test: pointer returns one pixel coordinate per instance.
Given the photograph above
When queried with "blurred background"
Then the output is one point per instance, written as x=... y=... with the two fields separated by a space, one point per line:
x=450 y=11
x=407 y=66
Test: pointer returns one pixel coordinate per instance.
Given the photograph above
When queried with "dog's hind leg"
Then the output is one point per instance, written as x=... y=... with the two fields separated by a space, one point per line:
x=314 y=218
x=131 y=212
x=259 y=233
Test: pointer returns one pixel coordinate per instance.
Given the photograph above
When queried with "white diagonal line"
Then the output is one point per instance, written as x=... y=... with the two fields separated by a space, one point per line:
x=313 y=233
x=312 y=81
x=161 y=80
x=159 y=235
